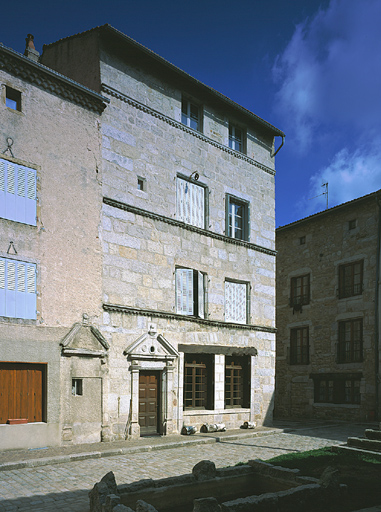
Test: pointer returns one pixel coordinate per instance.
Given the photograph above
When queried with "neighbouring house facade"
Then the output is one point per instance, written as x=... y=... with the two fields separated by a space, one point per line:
x=50 y=252
x=188 y=243
x=328 y=310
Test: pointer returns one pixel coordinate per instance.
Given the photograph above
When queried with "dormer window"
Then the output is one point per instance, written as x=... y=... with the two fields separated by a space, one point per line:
x=191 y=114
x=236 y=138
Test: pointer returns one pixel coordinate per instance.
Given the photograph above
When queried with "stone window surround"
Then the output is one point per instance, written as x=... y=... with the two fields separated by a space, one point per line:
x=140 y=106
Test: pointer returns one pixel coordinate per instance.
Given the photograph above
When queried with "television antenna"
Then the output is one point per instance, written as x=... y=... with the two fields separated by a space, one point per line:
x=325 y=193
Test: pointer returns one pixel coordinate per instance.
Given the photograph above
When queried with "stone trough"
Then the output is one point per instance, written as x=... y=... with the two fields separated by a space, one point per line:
x=255 y=487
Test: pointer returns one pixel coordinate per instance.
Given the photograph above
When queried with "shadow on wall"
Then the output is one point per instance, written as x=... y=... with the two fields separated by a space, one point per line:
x=268 y=419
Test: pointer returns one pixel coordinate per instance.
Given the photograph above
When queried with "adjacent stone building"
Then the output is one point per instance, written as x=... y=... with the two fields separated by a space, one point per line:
x=188 y=243
x=50 y=252
x=328 y=310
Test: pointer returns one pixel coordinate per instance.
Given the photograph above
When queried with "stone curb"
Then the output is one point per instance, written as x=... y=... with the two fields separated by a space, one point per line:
x=113 y=452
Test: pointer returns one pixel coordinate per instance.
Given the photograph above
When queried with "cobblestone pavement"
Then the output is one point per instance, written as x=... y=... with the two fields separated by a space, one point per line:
x=64 y=487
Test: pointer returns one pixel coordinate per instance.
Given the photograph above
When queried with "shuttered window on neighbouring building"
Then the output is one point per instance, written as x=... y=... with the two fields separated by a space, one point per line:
x=17 y=192
x=190 y=203
x=236 y=302
x=17 y=289
x=190 y=292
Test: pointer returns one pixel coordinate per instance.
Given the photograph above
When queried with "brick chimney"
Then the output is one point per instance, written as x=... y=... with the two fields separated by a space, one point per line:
x=30 y=50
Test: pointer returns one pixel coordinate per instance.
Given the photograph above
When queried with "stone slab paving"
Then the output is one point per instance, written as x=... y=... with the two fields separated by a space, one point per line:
x=65 y=486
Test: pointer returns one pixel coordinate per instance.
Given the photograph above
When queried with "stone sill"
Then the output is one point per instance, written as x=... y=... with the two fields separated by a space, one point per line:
x=341 y=406
x=208 y=412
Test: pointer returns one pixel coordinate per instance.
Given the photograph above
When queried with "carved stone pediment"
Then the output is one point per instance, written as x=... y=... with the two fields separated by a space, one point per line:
x=84 y=340
x=151 y=346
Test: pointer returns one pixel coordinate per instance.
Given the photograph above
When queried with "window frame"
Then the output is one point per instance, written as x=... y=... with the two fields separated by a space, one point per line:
x=77 y=386
x=190 y=292
x=237 y=382
x=346 y=291
x=198 y=391
x=184 y=210
x=350 y=351
x=236 y=142
x=233 y=318
x=14 y=96
x=299 y=345
x=233 y=200
x=303 y=298
x=186 y=114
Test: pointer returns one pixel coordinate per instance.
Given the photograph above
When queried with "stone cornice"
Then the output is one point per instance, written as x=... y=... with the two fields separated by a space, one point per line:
x=49 y=80
x=140 y=106
x=116 y=308
x=174 y=222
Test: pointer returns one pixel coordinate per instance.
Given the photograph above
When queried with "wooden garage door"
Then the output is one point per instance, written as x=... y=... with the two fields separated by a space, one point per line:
x=148 y=402
x=22 y=391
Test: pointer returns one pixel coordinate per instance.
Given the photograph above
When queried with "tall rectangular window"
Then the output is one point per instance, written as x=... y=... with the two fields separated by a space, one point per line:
x=190 y=292
x=300 y=290
x=236 y=138
x=299 y=346
x=237 y=218
x=190 y=114
x=190 y=202
x=17 y=192
x=237 y=382
x=236 y=302
x=198 y=381
x=350 y=279
x=17 y=289
x=12 y=98
x=350 y=341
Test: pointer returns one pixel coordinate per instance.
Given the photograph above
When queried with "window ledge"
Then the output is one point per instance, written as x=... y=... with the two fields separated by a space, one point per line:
x=342 y=406
x=208 y=412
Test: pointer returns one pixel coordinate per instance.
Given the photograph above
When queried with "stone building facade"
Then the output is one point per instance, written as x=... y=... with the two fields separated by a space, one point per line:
x=328 y=310
x=50 y=251
x=188 y=242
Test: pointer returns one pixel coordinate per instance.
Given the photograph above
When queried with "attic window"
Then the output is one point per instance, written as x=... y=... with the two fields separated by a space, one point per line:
x=302 y=240
x=12 y=98
x=142 y=184
x=352 y=224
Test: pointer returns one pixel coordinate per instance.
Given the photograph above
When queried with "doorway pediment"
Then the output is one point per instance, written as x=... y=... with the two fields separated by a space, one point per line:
x=151 y=346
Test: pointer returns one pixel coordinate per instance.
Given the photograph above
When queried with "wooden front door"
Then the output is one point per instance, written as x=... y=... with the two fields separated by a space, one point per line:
x=149 y=392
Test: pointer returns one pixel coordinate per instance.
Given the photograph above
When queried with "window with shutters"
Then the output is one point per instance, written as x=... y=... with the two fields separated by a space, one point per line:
x=350 y=279
x=191 y=114
x=237 y=382
x=350 y=341
x=198 y=381
x=236 y=302
x=190 y=292
x=17 y=289
x=17 y=192
x=237 y=218
x=299 y=346
x=190 y=202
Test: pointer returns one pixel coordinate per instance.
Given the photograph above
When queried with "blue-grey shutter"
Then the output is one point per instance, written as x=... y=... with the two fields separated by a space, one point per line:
x=190 y=203
x=10 y=291
x=20 y=194
x=2 y=287
x=235 y=302
x=2 y=189
x=201 y=309
x=31 y=296
x=30 y=197
x=10 y=196
x=184 y=291
x=17 y=192
x=20 y=290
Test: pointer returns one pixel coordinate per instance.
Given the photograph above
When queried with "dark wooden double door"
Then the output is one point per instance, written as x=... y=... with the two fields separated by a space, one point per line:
x=149 y=403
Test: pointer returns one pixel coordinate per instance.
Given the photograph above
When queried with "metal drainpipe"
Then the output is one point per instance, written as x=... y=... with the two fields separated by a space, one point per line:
x=279 y=146
x=377 y=320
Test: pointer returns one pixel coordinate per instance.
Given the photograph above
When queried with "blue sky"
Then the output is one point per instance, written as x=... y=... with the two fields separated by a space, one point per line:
x=311 y=68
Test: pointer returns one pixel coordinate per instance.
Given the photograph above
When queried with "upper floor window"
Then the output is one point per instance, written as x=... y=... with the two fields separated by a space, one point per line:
x=236 y=302
x=300 y=290
x=190 y=295
x=350 y=279
x=17 y=192
x=191 y=114
x=299 y=346
x=237 y=218
x=352 y=224
x=350 y=341
x=17 y=289
x=190 y=202
x=236 y=138
x=12 y=98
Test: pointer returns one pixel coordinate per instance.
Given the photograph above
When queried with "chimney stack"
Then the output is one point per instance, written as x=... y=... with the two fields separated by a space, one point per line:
x=30 y=50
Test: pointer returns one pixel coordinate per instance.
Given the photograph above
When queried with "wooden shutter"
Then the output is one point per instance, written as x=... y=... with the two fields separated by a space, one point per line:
x=190 y=203
x=235 y=302
x=17 y=193
x=184 y=291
